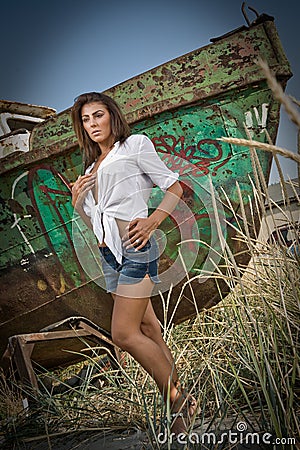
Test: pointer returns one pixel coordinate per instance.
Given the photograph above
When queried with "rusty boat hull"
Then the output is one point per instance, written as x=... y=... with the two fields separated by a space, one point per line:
x=184 y=106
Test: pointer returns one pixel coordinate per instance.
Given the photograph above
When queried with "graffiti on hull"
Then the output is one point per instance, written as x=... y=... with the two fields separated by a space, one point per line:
x=39 y=213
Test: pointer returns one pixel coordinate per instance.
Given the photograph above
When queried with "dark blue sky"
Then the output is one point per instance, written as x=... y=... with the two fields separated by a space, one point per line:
x=54 y=50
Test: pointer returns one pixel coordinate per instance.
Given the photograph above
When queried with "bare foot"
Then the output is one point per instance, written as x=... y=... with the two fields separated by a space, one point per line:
x=178 y=424
x=189 y=404
x=183 y=411
x=192 y=407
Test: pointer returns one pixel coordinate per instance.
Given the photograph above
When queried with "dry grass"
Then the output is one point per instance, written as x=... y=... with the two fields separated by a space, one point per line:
x=262 y=146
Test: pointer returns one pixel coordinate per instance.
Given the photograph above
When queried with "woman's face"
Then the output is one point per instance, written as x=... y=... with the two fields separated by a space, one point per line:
x=96 y=122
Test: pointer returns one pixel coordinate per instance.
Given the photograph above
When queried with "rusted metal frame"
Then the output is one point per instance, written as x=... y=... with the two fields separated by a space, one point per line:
x=20 y=349
x=51 y=335
x=92 y=331
x=104 y=338
x=96 y=333
x=44 y=112
x=245 y=13
x=21 y=346
x=21 y=353
x=278 y=52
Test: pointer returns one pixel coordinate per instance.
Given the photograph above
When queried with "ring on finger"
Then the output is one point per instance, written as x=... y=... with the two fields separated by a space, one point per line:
x=137 y=241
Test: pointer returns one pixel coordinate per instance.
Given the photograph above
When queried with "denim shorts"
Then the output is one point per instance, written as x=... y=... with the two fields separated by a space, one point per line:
x=135 y=265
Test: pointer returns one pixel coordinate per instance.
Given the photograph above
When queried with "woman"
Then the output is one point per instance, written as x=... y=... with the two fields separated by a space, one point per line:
x=111 y=197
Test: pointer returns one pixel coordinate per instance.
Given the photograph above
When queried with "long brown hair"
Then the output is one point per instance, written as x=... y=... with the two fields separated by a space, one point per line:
x=119 y=127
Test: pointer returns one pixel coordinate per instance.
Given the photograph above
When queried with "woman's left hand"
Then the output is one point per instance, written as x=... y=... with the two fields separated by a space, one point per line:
x=138 y=233
x=139 y=230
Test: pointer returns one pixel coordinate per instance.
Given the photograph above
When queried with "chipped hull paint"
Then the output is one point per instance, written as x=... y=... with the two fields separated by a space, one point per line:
x=184 y=106
x=14 y=143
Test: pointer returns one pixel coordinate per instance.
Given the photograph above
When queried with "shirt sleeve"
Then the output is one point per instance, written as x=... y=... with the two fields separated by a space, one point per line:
x=151 y=164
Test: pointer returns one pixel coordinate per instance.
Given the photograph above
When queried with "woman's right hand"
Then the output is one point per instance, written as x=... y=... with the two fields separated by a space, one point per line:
x=81 y=187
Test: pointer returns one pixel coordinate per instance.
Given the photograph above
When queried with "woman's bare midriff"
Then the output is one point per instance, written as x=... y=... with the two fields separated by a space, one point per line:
x=122 y=225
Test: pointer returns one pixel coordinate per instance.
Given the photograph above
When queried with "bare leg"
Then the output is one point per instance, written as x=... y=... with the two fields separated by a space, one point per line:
x=136 y=330
x=151 y=328
x=126 y=333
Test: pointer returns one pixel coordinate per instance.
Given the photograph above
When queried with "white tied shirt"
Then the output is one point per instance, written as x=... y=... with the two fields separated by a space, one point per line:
x=125 y=179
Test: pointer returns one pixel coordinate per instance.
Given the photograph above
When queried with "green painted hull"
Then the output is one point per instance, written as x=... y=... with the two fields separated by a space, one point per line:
x=184 y=106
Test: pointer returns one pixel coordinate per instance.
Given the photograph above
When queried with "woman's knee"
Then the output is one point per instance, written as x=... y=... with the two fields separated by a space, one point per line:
x=152 y=330
x=123 y=339
x=118 y=338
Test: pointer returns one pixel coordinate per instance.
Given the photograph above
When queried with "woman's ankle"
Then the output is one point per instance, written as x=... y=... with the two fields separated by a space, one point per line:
x=176 y=400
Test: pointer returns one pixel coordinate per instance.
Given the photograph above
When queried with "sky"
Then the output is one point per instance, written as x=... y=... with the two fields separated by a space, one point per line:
x=54 y=50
